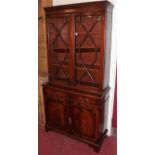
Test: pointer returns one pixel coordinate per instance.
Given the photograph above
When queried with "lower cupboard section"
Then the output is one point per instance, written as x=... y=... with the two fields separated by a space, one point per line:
x=77 y=115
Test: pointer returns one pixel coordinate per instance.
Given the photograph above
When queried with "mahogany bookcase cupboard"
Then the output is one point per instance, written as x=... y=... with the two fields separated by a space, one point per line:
x=78 y=51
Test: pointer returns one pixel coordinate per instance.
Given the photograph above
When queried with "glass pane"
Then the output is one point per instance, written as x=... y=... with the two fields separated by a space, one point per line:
x=58 y=31
x=87 y=48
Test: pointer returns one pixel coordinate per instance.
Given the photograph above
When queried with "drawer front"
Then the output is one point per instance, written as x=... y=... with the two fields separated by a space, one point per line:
x=55 y=108
x=84 y=116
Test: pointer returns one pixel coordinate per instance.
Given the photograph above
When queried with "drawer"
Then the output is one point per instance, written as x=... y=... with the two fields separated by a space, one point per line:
x=84 y=99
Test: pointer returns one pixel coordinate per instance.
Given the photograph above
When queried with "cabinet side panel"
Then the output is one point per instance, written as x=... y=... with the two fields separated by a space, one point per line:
x=107 y=58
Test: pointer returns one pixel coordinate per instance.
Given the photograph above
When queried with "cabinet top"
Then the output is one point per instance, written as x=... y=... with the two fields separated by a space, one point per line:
x=81 y=7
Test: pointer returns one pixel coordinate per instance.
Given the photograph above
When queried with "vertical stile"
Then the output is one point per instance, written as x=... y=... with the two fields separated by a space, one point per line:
x=102 y=50
x=47 y=44
x=72 y=51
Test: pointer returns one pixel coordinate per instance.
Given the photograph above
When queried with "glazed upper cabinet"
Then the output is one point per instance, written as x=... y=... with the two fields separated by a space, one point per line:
x=78 y=43
x=76 y=49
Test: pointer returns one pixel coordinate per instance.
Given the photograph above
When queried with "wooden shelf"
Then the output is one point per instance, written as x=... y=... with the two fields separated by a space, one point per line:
x=90 y=69
x=79 y=33
x=65 y=65
x=78 y=66
x=87 y=49
x=60 y=50
x=85 y=33
x=82 y=49
x=94 y=67
x=63 y=33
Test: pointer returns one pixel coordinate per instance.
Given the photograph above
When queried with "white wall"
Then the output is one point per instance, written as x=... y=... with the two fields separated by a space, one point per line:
x=109 y=105
x=63 y=2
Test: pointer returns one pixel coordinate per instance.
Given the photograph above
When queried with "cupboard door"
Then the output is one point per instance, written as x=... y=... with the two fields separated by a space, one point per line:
x=58 y=38
x=88 y=46
x=84 y=118
x=55 y=108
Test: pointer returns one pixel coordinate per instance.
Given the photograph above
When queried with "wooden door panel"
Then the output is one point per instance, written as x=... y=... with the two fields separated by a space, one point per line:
x=55 y=107
x=56 y=113
x=88 y=119
x=83 y=122
x=75 y=124
x=85 y=117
